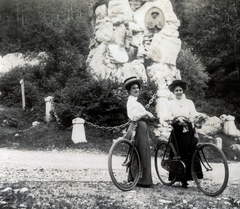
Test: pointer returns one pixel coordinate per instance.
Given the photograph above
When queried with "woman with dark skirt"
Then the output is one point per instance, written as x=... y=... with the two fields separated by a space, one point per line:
x=138 y=115
x=183 y=110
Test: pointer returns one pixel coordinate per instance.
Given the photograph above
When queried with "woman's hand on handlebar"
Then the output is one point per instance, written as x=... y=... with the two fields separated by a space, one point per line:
x=150 y=115
x=180 y=119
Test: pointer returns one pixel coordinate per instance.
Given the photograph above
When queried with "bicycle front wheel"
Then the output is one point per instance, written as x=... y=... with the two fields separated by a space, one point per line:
x=124 y=165
x=165 y=152
x=210 y=169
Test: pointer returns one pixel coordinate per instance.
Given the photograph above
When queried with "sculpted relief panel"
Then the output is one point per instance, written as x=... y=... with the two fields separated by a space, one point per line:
x=154 y=20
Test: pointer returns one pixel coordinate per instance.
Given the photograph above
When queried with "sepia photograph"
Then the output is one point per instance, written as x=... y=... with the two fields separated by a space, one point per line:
x=119 y=104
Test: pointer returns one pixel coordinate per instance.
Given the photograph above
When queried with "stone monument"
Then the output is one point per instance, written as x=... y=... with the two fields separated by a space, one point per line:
x=136 y=37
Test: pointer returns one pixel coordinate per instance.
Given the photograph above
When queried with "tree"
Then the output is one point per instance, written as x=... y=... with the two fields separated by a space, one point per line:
x=193 y=71
x=212 y=31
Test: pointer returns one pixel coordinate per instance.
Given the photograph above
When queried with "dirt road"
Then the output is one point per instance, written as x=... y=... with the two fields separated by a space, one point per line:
x=84 y=175
x=47 y=165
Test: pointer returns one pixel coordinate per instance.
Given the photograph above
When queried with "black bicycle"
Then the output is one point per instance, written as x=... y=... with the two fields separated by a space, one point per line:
x=209 y=167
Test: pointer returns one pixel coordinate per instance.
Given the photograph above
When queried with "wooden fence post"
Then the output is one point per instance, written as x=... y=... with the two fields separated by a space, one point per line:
x=23 y=94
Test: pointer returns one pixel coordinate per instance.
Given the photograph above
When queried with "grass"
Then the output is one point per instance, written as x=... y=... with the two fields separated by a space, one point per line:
x=49 y=136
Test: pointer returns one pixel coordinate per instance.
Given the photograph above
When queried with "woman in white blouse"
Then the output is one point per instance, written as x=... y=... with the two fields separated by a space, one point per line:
x=183 y=110
x=137 y=113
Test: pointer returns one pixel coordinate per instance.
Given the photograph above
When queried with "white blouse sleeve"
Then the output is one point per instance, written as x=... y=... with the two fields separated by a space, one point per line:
x=135 y=111
x=192 y=110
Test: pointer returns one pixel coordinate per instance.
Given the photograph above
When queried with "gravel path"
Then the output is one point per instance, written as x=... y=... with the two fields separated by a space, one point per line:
x=84 y=177
x=52 y=165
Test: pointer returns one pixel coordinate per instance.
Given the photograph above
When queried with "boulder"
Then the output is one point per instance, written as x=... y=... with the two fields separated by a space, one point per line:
x=119 y=34
x=119 y=11
x=134 y=27
x=118 y=53
x=135 y=4
x=96 y=61
x=163 y=74
x=104 y=32
x=211 y=126
x=134 y=68
x=101 y=12
x=164 y=49
x=235 y=147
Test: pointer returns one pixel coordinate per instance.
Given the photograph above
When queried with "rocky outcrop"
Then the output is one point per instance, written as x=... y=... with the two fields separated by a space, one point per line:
x=130 y=34
x=136 y=38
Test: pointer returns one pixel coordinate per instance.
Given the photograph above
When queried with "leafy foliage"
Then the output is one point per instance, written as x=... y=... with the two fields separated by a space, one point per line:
x=32 y=32
x=42 y=25
x=192 y=71
x=89 y=99
x=211 y=30
x=100 y=102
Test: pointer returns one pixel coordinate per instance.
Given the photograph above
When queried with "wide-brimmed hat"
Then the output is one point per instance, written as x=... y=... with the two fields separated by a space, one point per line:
x=176 y=83
x=132 y=80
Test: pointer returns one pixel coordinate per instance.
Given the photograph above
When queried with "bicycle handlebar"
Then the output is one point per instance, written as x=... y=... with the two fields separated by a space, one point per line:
x=185 y=119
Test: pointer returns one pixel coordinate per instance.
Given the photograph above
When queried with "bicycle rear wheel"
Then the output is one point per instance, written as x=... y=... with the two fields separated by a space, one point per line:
x=123 y=158
x=163 y=156
x=210 y=169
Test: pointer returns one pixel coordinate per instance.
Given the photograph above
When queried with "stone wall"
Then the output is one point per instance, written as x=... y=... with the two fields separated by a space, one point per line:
x=136 y=37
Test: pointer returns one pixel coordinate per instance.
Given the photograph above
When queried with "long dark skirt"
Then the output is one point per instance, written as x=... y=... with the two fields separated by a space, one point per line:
x=186 y=142
x=143 y=146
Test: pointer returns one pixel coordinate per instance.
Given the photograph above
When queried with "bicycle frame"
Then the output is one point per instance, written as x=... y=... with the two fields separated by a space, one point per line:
x=203 y=161
x=172 y=139
x=206 y=165
x=127 y=162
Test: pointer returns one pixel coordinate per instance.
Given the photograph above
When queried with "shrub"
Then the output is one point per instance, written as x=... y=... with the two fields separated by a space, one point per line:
x=193 y=72
x=11 y=89
x=100 y=102
x=91 y=100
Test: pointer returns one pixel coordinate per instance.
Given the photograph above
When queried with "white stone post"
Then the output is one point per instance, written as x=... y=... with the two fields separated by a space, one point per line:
x=229 y=126
x=49 y=108
x=218 y=142
x=23 y=94
x=161 y=103
x=78 y=132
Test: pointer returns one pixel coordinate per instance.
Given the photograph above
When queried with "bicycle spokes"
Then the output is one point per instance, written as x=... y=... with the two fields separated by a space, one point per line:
x=164 y=153
x=210 y=169
x=166 y=164
x=120 y=164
